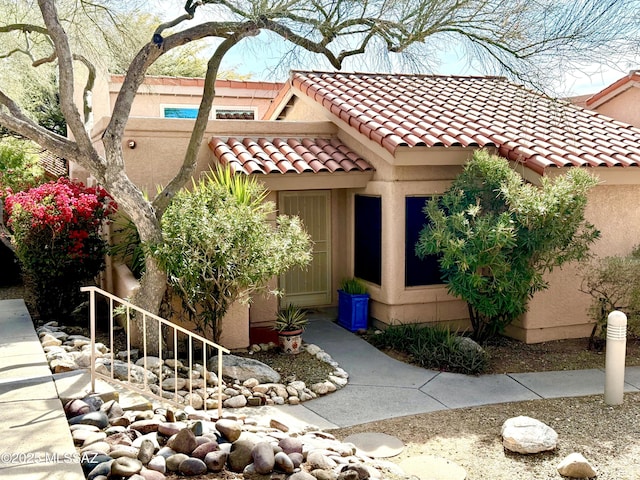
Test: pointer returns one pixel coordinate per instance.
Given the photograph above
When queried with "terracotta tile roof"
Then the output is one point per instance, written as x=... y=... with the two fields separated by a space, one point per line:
x=53 y=165
x=449 y=111
x=235 y=116
x=264 y=156
x=199 y=82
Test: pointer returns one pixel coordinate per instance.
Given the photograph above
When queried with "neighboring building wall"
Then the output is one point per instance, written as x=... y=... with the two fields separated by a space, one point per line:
x=561 y=311
x=157 y=92
x=624 y=106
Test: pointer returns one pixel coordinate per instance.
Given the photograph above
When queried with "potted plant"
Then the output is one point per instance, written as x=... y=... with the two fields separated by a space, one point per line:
x=290 y=323
x=353 y=305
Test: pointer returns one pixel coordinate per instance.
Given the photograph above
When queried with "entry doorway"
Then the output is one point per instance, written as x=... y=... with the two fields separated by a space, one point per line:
x=310 y=286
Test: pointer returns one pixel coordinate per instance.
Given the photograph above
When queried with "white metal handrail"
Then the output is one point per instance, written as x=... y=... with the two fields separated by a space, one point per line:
x=128 y=307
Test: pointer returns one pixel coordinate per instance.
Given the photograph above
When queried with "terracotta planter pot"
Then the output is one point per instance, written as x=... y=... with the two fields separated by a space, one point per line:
x=290 y=342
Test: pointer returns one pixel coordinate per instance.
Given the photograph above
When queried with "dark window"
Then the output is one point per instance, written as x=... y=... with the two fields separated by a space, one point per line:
x=368 y=238
x=418 y=271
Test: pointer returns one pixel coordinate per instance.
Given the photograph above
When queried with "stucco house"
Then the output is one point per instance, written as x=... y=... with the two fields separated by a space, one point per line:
x=620 y=100
x=356 y=155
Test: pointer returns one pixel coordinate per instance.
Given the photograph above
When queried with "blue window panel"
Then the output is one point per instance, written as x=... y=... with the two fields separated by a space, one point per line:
x=177 y=112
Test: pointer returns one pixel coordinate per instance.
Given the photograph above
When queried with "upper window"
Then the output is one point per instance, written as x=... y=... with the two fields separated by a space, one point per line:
x=219 y=113
x=180 y=112
x=418 y=271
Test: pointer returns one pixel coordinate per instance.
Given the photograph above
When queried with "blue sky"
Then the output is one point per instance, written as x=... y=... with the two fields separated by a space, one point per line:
x=262 y=58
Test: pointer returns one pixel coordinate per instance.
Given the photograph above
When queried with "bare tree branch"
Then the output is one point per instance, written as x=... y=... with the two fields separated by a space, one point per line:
x=17 y=121
x=188 y=167
x=65 y=72
x=88 y=87
x=23 y=27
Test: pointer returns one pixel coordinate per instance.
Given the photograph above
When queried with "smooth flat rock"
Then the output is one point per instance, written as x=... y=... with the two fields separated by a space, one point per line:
x=376 y=445
x=429 y=467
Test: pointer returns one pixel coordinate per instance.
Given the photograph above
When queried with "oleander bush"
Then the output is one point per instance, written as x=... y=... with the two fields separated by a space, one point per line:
x=56 y=230
x=497 y=236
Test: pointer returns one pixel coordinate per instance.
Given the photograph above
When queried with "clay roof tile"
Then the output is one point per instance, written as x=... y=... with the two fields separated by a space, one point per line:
x=286 y=156
x=421 y=110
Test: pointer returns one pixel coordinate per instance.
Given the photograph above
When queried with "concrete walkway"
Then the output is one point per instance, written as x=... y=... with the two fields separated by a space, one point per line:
x=36 y=442
x=381 y=387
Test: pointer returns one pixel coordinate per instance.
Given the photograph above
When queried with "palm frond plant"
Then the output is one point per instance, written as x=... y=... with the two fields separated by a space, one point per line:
x=290 y=323
x=291 y=318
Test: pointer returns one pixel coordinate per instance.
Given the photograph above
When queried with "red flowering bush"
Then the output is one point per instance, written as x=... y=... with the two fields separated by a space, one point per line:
x=56 y=232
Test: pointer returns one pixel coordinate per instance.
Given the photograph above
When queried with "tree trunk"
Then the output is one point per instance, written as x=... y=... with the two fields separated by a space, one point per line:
x=154 y=281
x=149 y=297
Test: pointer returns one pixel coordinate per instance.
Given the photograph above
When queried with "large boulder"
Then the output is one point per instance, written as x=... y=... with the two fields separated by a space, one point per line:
x=242 y=369
x=528 y=435
x=122 y=371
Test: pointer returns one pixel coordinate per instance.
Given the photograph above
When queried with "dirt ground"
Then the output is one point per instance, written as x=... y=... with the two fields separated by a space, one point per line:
x=609 y=437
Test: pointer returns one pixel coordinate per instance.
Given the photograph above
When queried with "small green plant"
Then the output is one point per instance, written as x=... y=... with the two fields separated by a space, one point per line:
x=433 y=347
x=353 y=286
x=291 y=318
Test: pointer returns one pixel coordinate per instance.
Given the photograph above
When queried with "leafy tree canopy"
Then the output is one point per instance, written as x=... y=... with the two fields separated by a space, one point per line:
x=19 y=165
x=498 y=236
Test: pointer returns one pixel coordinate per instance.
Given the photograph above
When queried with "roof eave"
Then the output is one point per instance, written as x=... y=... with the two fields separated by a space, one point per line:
x=314 y=181
x=613 y=90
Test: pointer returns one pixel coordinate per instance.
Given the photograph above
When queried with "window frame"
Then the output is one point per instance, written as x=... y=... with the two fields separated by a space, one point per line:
x=212 y=114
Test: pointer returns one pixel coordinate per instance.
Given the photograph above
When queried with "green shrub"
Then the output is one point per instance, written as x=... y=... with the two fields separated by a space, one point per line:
x=220 y=247
x=614 y=284
x=433 y=347
x=498 y=236
x=353 y=286
x=19 y=166
x=127 y=247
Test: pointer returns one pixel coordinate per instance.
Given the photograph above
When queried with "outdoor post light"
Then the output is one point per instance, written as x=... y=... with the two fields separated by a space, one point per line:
x=615 y=358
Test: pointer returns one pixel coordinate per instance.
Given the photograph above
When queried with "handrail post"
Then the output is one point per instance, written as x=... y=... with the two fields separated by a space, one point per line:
x=219 y=384
x=92 y=329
